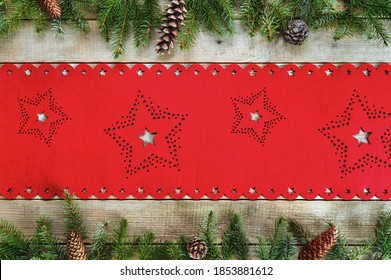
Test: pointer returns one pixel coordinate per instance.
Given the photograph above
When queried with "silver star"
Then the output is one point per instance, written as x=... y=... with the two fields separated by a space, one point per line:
x=41 y=117
x=362 y=137
x=147 y=137
x=255 y=116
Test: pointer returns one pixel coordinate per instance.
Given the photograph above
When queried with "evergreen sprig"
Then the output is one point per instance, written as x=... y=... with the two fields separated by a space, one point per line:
x=14 y=244
x=234 y=240
x=121 y=248
x=301 y=234
x=147 y=21
x=382 y=237
x=216 y=17
x=178 y=250
x=279 y=246
x=73 y=217
x=45 y=244
x=101 y=246
x=208 y=235
x=17 y=11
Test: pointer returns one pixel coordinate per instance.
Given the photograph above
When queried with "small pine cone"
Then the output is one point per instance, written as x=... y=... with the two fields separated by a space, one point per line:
x=317 y=248
x=296 y=32
x=197 y=248
x=75 y=246
x=172 y=21
x=53 y=7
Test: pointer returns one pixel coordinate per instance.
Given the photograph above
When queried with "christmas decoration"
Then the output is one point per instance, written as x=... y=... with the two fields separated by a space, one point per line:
x=317 y=248
x=296 y=32
x=75 y=246
x=53 y=7
x=116 y=19
x=115 y=243
x=197 y=248
x=148 y=138
x=173 y=19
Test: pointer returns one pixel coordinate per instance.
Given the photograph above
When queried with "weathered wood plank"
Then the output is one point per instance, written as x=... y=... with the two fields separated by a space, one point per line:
x=26 y=46
x=170 y=218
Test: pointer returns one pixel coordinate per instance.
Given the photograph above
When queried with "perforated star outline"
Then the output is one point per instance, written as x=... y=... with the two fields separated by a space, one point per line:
x=32 y=109
x=265 y=124
x=170 y=140
x=342 y=148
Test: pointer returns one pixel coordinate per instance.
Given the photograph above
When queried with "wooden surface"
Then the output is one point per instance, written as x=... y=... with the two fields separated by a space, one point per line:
x=168 y=218
x=26 y=46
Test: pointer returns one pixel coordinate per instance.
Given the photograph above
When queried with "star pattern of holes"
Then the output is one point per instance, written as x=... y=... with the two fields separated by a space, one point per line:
x=342 y=150
x=153 y=160
x=54 y=125
x=259 y=136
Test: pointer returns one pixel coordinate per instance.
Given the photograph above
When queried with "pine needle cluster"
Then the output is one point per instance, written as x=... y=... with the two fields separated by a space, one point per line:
x=216 y=17
x=117 y=18
x=279 y=246
x=13 y=14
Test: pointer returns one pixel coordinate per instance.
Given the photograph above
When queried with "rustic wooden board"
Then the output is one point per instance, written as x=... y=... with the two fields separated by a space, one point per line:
x=169 y=218
x=26 y=46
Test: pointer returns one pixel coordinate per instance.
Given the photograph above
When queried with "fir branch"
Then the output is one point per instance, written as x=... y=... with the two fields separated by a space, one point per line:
x=251 y=15
x=235 y=240
x=73 y=218
x=173 y=251
x=178 y=250
x=101 y=247
x=72 y=14
x=262 y=249
x=362 y=249
x=39 y=18
x=279 y=246
x=208 y=233
x=45 y=244
x=301 y=234
x=277 y=239
x=147 y=20
x=14 y=245
x=57 y=27
x=382 y=244
x=121 y=249
x=13 y=17
x=106 y=17
x=148 y=249
x=189 y=31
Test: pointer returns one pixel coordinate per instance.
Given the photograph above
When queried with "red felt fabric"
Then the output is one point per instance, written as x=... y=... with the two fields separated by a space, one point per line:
x=205 y=142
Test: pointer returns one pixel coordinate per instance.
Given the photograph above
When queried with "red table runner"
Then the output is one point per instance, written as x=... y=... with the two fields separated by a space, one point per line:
x=192 y=131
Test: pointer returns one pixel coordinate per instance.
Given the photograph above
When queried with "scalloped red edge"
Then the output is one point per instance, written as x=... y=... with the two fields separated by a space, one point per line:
x=197 y=69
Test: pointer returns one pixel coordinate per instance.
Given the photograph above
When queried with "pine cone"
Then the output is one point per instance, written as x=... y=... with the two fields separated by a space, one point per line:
x=53 y=7
x=317 y=248
x=75 y=246
x=296 y=32
x=172 y=21
x=197 y=248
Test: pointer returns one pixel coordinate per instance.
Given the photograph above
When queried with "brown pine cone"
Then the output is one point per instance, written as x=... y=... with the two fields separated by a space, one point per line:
x=317 y=248
x=53 y=7
x=75 y=246
x=172 y=21
x=197 y=248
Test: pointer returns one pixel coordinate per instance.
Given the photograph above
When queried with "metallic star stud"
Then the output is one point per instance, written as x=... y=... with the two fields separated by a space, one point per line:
x=362 y=137
x=148 y=138
x=255 y=116
x=41 y=117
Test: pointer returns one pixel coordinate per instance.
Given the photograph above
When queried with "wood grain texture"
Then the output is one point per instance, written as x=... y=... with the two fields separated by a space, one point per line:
x=170 y=218
x=26 y=46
